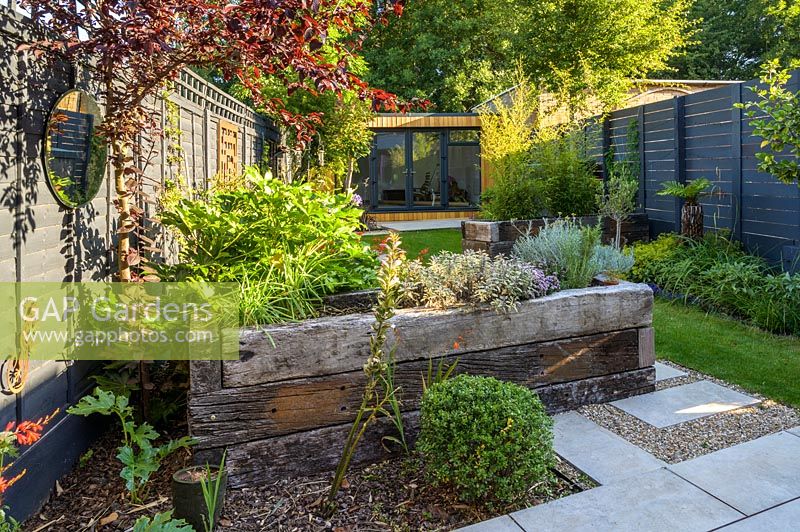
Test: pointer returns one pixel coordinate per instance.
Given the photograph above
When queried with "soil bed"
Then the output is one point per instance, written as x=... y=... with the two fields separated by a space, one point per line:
x=391 y=495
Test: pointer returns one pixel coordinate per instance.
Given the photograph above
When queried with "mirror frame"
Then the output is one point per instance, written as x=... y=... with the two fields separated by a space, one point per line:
x=46 y=139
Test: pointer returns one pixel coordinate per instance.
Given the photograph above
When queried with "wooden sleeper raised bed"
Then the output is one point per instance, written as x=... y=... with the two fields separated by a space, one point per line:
x=285 y=407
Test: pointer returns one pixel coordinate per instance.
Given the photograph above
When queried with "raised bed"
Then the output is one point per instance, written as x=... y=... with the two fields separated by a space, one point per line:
x=497 y=238
x=285 y=407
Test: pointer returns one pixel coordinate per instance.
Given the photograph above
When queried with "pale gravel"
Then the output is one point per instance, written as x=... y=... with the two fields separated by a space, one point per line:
x=700 y=436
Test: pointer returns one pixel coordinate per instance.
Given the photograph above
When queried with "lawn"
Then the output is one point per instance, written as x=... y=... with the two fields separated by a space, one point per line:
x=730 y=350
x=434 y=240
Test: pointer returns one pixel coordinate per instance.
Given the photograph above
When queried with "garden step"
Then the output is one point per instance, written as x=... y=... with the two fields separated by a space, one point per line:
x=665 y=372
x=783 y=517
x=654 y=501
x=599 y=453
x=683 y=403
x=751 y=476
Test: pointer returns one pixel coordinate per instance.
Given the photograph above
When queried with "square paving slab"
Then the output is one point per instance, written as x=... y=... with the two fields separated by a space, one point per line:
x=655 y=501
x=784 y=517
x=795 y=431
x=664 y=372
x=751 y=476
x=601 y=454
x=498 y=524
x=683 y=403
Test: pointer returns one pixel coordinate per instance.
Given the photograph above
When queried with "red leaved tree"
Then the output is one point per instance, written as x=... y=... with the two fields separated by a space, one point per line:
x=133 y=48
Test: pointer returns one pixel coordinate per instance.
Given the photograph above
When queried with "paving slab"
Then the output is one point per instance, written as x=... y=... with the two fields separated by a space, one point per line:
x=655 y=501
x=598 y=452
x=424 y=225
x=783 y=517
x=795 y=431
x=751 y=476
x=683 y=403
x=665 y=372
x=498 y=524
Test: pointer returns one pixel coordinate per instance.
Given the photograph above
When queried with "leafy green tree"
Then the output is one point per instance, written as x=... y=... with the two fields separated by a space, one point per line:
x=775 y=117
x=455 y=54
x=581 y=47
x=342 y=134
x=458 y=54
x=734 y=37
x=507 y=138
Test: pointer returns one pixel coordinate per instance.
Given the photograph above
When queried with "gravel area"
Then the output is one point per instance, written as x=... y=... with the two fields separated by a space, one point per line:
x=700 y=436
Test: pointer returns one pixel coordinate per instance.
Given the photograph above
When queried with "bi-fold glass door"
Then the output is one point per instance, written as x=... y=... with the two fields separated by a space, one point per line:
x=407 y=170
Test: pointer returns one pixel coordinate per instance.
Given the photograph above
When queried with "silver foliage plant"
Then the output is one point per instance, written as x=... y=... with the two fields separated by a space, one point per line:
x=613 y=261
x=474 y=278
x=572 y=252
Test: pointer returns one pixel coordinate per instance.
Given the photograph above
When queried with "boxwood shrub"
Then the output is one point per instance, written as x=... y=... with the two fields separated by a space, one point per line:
x=486 y=439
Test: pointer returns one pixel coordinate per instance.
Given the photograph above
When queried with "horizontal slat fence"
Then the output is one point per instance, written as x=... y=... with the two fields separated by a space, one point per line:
x=704 y=135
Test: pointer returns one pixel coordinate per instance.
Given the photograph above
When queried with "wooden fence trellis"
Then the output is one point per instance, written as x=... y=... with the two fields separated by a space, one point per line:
x=704 y=135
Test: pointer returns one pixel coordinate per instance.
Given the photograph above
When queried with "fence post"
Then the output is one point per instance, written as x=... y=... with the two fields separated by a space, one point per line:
x=679 y=152
x=736 y=160
x=605 y=145
x=642 y=207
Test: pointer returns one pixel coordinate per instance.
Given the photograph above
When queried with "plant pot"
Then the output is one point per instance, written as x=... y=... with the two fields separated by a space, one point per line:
x=692 y=221
x=187 y=496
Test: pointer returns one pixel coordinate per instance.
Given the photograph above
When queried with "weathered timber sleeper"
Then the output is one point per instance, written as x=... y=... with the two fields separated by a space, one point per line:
x=294 y=390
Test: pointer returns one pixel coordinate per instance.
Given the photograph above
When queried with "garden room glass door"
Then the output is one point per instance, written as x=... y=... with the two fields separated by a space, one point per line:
x=408 y=170
x=391 y=170
x=426 y=169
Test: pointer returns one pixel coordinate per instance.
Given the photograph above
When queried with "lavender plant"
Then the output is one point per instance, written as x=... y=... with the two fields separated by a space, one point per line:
x=474 y=278
x=571 y=252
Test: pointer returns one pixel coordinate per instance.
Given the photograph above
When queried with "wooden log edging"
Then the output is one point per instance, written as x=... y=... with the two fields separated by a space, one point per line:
x=496 y=238
x=284 y=408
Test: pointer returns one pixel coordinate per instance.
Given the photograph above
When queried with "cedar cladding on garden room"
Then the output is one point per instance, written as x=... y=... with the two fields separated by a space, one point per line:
x=423 y=167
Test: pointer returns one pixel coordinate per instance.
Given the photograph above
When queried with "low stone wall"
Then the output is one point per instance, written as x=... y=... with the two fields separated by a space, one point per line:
x=284 y=408
x=497 y=238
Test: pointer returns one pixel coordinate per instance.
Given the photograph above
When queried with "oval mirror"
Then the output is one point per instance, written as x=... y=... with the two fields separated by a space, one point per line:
x=74 y=153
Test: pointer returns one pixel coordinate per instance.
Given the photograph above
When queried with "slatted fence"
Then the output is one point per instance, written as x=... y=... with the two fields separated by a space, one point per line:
x=704 y=135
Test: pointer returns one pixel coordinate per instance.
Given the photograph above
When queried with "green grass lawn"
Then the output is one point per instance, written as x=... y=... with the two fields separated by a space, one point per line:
x=729 y=350
x=434 y=240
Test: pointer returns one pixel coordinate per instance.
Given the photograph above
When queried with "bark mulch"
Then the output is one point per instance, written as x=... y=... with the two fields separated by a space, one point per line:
x=391 y=495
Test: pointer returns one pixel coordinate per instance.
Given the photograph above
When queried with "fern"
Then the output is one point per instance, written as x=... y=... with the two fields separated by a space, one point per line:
x=689 y=192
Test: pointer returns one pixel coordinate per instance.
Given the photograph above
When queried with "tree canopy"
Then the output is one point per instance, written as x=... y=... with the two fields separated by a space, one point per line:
x=458 y=54
x=735 y=37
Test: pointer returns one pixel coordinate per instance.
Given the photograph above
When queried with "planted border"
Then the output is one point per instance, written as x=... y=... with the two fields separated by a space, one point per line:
x=497 y=238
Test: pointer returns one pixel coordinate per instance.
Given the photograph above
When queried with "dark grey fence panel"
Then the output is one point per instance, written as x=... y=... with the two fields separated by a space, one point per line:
x=704 y=135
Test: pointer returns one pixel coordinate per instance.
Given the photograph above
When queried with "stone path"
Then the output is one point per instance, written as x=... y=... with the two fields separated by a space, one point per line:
x=664 y=372
x=753 y=486
x=599 y=453
x=683 y=403
x=422 y=225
